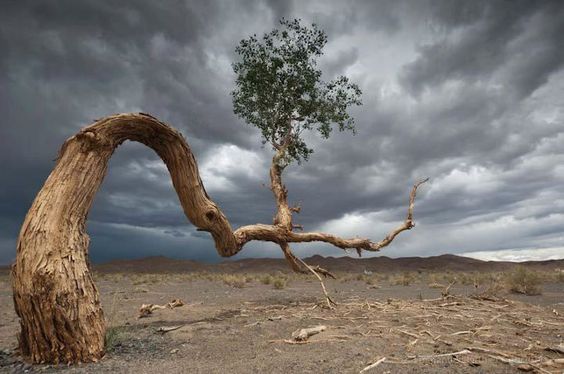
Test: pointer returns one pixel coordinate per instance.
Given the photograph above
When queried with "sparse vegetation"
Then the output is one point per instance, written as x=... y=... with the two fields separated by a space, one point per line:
x=267 y=279
x=237 y=281
x=275 y=310
x=279 y=283
x=404 y=279
x=114 y=336
x=524 y=281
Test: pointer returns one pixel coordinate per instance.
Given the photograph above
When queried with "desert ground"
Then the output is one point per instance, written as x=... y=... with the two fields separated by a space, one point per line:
x=239 y=320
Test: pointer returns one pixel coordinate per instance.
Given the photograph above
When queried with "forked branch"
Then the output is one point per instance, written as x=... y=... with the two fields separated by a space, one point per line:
x=278 y=234
x=51 y=268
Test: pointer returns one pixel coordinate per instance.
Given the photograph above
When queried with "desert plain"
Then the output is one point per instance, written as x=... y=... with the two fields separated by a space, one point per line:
x=444 y=314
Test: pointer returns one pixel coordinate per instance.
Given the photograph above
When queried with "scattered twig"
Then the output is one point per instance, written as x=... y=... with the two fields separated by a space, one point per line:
x=165 y=329
x=446 y=291
x=372 y=366
x=148 y=309
x=462 y=332
x=427 y=357
x=491 y=351
x=409 y=334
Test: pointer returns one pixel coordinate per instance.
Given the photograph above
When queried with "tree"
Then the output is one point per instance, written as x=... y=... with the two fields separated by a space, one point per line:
x=279 y=90
x=55 y=297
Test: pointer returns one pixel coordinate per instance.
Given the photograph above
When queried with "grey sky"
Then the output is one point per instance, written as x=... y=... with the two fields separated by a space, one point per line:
x=470 y=94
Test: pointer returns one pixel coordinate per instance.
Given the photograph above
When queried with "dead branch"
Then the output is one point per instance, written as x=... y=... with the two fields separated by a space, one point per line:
x=278 y=234
x=490 y=351
x=427 y=357
x=409 y=334
x=446 y=291
x=304 y=334
x=296 y=208
x=164 y=329
x=430 y=357
x=372 y=366
x=330 y=302
x=148 y=309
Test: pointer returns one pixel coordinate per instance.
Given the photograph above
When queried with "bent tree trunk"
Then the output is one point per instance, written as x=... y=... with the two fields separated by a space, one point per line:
x=54 y=294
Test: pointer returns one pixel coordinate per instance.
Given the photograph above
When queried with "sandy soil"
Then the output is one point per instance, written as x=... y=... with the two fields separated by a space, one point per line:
x=243 y=330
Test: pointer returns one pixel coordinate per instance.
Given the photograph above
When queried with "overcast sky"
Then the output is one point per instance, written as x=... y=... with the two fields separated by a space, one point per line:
x=468 y=93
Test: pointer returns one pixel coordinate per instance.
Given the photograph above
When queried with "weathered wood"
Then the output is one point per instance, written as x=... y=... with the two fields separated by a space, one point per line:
x=54 y=294
x=304 y=334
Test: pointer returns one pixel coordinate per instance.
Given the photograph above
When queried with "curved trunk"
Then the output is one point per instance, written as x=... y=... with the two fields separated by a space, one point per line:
x=54 y=295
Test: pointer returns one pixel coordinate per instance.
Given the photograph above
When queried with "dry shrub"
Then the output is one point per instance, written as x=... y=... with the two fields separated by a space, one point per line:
x=524 y=281
x=237 y=281
x=279 y=283
x=493 y=289
x=449 y=277
x=371 y=280
x=267 y=279
x=404 y=279
x=346 y=277
x=465 y=279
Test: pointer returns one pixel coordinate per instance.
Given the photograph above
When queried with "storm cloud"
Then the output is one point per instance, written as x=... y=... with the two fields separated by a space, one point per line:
x=470 y=94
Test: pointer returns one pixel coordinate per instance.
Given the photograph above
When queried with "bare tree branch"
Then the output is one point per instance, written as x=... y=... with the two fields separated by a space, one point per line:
x=52 y=249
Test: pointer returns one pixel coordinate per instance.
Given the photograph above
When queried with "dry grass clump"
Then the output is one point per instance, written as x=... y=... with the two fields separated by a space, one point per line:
x=369 y=279
x=267 y=279
x=403 y=279
x=140 y=279
x=492 y=290
x=435 y=281
x=234 y=280
x=114 y=337
x=524 y=281
x=279 y=282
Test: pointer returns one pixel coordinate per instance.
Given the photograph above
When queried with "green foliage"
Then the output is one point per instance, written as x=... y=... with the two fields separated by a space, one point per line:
x=280 y=91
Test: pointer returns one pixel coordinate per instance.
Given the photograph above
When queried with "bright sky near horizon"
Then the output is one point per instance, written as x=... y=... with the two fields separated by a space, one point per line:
x=470 y=94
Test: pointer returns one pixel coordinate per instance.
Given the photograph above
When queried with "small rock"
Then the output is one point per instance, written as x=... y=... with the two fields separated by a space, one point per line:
x=175 y=350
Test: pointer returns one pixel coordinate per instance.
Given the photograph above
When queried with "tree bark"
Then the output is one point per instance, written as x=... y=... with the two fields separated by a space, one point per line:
x=54 y=294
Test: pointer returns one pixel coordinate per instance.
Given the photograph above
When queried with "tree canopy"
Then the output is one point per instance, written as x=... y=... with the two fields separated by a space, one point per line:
x=279 y=88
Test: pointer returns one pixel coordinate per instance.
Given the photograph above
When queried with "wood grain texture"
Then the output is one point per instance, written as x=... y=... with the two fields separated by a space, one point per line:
x=54 y=293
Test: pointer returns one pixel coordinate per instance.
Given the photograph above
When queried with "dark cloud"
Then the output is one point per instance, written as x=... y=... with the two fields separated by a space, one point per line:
x=514 y=45
x=470 y=94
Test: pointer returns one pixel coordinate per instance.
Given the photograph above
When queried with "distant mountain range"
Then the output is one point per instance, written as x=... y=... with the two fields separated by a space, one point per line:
x=161 y=264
